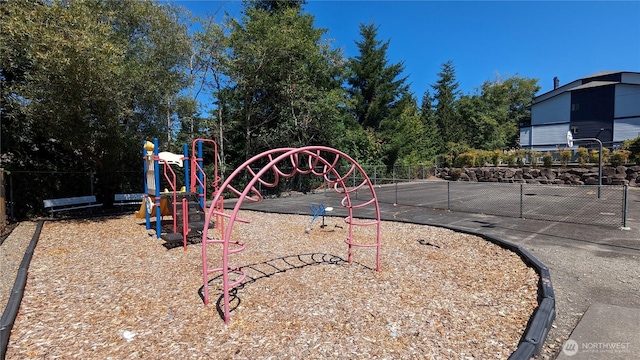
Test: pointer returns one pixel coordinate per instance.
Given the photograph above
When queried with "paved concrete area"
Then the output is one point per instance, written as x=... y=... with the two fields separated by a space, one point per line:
x=595 y=269
x=605 y=332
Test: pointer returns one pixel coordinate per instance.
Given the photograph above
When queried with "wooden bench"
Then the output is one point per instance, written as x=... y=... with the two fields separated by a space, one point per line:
x=72 y=203
x=123 y=200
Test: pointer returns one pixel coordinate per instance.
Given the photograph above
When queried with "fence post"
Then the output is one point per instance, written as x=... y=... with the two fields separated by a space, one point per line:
x=3 y=208
x=448 y=195
x=521 y=202
x=396 y=201
x=624 y=207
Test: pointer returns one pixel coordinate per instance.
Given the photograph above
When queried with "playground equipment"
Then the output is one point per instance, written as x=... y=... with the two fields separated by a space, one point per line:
x=316 y=160
x=318 y=210
x=192 y=197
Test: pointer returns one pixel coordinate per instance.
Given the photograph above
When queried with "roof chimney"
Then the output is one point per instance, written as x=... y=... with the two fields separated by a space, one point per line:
x=556 y=82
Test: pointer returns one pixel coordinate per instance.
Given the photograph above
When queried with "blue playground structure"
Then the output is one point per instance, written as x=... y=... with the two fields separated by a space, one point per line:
x=192 y=196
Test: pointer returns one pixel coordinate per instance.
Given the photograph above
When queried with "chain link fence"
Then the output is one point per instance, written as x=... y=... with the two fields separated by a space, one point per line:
x=578 y=204
x=25 y=190
x=378 y=175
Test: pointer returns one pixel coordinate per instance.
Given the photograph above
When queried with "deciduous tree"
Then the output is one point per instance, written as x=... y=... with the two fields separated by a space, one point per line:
x=508 y=102
x=83 y=82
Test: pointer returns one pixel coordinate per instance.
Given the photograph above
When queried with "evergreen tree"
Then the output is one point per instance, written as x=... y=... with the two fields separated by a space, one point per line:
x=375 y=86
x=432 y=137
x=276 y=5
x=446 y=94
x=285 y=83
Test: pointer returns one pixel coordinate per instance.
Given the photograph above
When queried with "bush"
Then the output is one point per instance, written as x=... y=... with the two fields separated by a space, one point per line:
x=583 y=155
x=496 y=155
x=619 y=157
x=509 y=158
x=455 y=174
x=633 y=145
x=467 y=159
x=595 y=155
x=565 y=156
x=534 y=157
x=520 y=156
x=547 y=159
x=456 y=149
x=446 y=161
x=482 y=157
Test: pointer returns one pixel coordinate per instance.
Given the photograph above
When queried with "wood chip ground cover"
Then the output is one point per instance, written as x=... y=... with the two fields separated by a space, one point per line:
x=107 y=289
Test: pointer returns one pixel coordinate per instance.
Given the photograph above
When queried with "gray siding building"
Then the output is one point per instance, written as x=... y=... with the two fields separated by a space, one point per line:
x=605 y=106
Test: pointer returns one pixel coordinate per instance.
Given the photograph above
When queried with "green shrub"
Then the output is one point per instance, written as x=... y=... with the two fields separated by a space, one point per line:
x=547 y=159
x=595 y=155
x=619 y=157
x=456 y=173
x=510 y=159
x=496 y=155
x=582 y=155
x=633 y=145
x=520 y=156
x=534 y=157
x=565 y=156
x=467 y=159
x=446 y=160
x=482 y=157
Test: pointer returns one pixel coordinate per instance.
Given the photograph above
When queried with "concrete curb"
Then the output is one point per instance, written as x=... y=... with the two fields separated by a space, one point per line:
x=11 y=311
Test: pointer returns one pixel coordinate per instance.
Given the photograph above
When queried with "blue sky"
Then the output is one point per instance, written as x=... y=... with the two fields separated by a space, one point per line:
x=484 y=39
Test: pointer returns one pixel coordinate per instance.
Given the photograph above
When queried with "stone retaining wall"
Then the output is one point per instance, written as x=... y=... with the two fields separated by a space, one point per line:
x=620 y=175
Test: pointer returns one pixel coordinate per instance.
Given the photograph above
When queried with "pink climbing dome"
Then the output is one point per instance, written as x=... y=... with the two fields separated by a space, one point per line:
x=320 y=161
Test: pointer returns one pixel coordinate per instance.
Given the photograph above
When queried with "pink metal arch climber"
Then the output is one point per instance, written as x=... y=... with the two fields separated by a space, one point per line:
x=316 y=160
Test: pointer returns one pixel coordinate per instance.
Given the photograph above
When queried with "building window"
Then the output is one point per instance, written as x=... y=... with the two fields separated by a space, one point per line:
x=575 y=107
